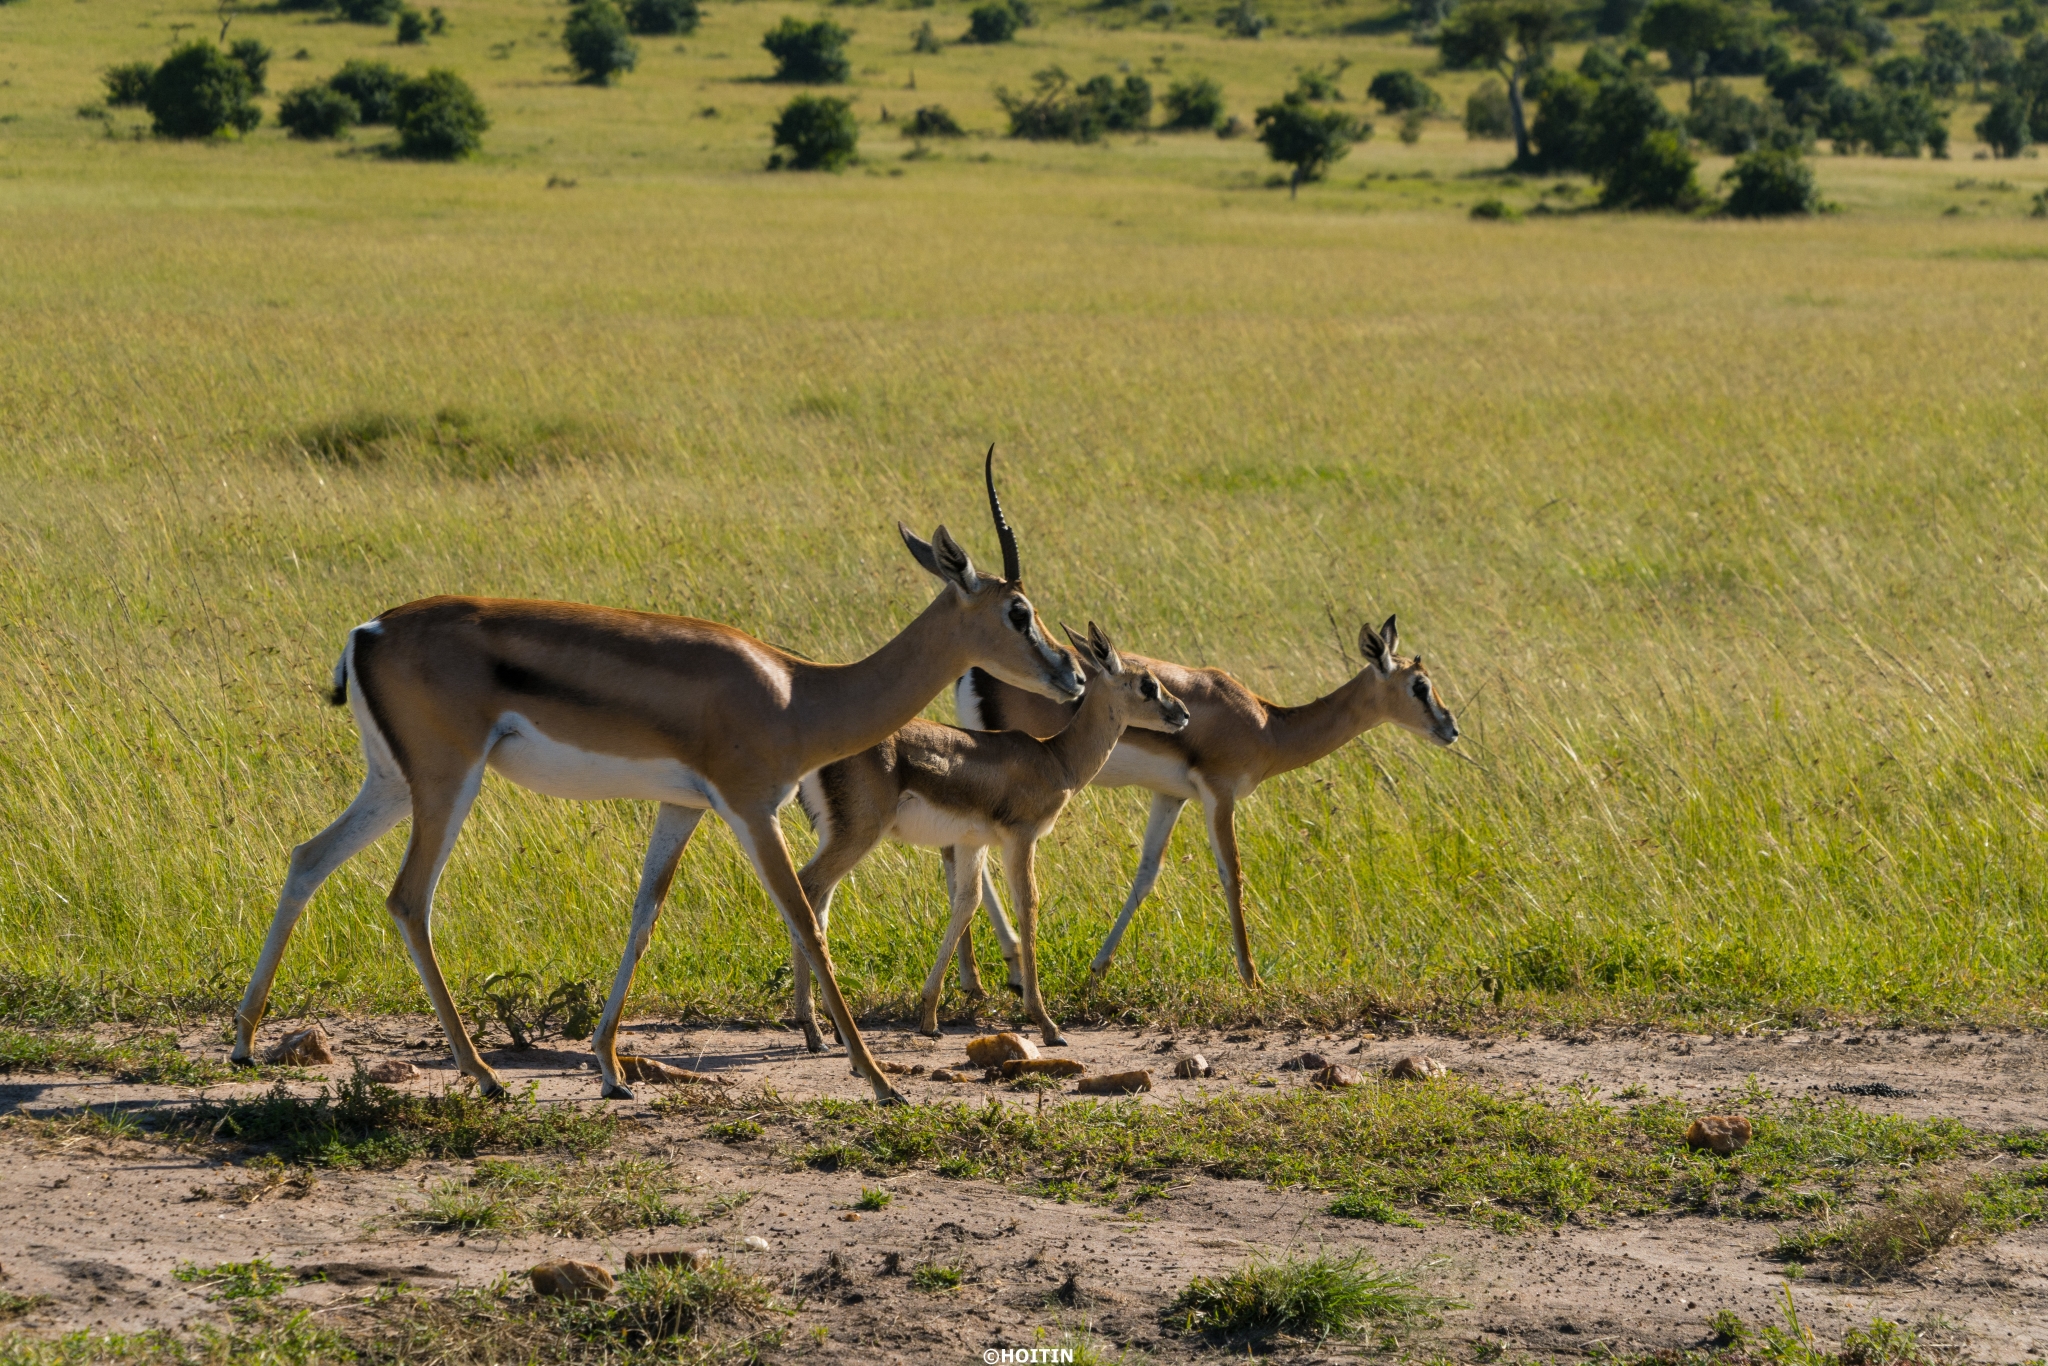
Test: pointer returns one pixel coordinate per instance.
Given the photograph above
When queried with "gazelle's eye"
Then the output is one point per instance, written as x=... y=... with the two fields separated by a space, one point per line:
x=1020 y=615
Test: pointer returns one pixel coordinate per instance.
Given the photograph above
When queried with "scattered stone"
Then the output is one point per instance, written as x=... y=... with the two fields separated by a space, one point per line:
x=1307 y=1062
x=1721 y=1134
x=1336 y=1075
x=1115 y=1083
x=635 y=1068
x=567 y=1280
x=1358 y=1047
x=946 y=1074
x=993 y=1050
x=688 y=1258
x=755 y=1242
x=303 y=1048
x=1042 y=1067
x=852 y=1216
x=391 y=1071
x=893 y=1069
x=1191 y=1067
x=1416 y=1067
x=917 y=1069
x=1870 y=1088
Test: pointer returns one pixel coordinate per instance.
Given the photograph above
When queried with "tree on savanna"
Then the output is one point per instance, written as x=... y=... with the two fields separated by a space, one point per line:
x=809 y=54
x=600 y=45
x=200 y=91
x=439 y=118
x=819 y=131
x=1307 y=138
x=1685 y=31
x=1510 y=37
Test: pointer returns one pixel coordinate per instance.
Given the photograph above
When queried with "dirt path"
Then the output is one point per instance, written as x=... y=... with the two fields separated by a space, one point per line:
x=100 y=1227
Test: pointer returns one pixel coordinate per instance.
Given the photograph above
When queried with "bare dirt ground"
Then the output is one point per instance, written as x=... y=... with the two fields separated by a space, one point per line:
x=99 y=1227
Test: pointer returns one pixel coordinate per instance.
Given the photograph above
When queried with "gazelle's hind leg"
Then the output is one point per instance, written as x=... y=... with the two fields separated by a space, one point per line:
x=800 y=970
x=845 y=838
x=1019 y=871
x=1158 y=829
x=672 y=829
x=966 y=889
x=440 y=805
x=382 y=802
x=970 y=971
x=1006 y=937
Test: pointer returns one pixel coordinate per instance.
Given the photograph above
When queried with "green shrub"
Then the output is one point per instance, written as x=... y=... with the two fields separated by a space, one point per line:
x=412 y=26
x=809 y=54
x=1889 y=122
x=1655 y=174
x=1312 y=1297
x=377 y=12
x=2006 y=126
x=663 y=17
x=1307 y=138
x=925 y=39
x=1242 y=20
x=932 y=121
x=128 y=83
x=1402 y=90
x=1487 y=114
x=1196 y=102
x=598 y=42
x=313 y=112
x=1124 y=108
x=1056 y=111
x=991 y=24
x=253 y=58
x=1732 y=124
x=200 y=91
x=373 y=86
x=1769 y=184
x=1494 y=210
x=439 y=118
x=819 y=131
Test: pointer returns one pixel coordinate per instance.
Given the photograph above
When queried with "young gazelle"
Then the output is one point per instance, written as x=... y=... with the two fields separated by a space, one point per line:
x=1234 y=741
x=597 y=704
x=962 y=791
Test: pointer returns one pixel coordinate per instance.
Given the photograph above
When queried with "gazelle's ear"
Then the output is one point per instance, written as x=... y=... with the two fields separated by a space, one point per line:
x=920 y=549
x=1368 y=644
x=1378 y=646
x=1083 y=647
x=951 y=562
x=1390 y=641
x=1112 y=662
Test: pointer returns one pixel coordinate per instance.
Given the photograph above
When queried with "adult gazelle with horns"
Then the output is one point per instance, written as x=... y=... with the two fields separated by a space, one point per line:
x=597 y=703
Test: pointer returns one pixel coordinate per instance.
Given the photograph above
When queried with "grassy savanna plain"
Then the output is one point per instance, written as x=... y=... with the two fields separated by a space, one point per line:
x=1724 y=539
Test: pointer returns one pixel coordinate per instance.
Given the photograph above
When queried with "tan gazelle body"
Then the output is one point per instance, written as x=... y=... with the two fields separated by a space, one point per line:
x=962 y=791
x=1234 y=741
x=595 y=703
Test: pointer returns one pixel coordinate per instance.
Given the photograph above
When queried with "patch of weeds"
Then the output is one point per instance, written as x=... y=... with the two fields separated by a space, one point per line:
x=571 y=1200
x=1370 y=1204
x=660 y=1302
x=873 y=1198
x=455 y=441
x=1904 y=1233
x=13 y=1306
x=737 y=1131
x=937 y=1276
x=1728 y=1328
x=142 y=1060
x=528 y=1011
x=1316 y=1297
x=452 y=1208
x=364 y=1124
x=253 y=1280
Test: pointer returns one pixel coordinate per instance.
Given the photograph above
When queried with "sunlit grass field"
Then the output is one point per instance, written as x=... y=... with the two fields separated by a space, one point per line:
x=1725 y=540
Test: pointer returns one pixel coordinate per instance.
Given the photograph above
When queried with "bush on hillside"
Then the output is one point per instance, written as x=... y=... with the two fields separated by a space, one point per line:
x=1487 y=114
x=1403 y=90
x=1732 y=124
x=598 y=42
x=933 y=121
x=378 y=12
x=2006 y=126
x=200 y=91
x=1195 y=102
x=925 y=39
x=991 y=24
x=412 y=27
x=819 y=131
x=1309 y=139
x=314 y=112
x=809 y=54
x=1125 y=107
x=661 y=18
x=1771 y=183
x=439 y=118
x=1057 y=111
x=254 y=58
x=1242 y=20
x=128 y=83
x=1657 y=173
x=373 y=86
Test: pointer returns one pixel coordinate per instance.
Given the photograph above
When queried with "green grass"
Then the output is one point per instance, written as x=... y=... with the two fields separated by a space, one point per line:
x=1317 y=1297
x=1719 y=536
x=589 y=1199
x=252 y=1280
x=145 y=1059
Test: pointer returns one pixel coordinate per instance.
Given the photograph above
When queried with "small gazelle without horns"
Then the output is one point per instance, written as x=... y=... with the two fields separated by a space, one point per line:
x=599 y=704
x=961 y=791
x=1234 y=741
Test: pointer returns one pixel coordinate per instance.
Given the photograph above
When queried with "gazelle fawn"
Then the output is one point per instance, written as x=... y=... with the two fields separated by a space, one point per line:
x=1234 y=741
x=962 y=791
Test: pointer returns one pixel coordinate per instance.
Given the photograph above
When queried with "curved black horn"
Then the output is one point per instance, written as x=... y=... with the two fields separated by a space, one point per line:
x=1011 y=569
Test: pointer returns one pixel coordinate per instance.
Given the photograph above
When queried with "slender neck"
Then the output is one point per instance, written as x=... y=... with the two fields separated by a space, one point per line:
x=846 y=708
x=1298 y=736
x=1083 y=747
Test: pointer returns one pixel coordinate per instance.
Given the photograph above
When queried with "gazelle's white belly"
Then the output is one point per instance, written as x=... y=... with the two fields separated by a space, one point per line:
x=919 y=822
x=1130 y=766
x=533 y=759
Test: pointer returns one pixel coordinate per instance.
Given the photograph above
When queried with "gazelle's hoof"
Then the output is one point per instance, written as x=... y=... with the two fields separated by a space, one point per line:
x=891 y=1097
x=1016 y=987
x=234 y=1061
x=618 y=1093
x=490 y=1088
x=933 y=1033
x=1055 y=1040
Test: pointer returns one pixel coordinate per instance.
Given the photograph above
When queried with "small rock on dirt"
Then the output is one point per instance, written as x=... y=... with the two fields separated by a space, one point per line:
x=1336 y=1075
x=303 y=1048
x=1416 y=1067
x=567 y=1280
x=946 y=1074
x=993 y=1050
x=1307 y=1062
x=1722 y=1134
x=689 y=1258
x=1192 y=1066
x=659 y=1073
x=756 y=1242
x=391 y=1071
x=1115 y=1083
x=1042 y=1067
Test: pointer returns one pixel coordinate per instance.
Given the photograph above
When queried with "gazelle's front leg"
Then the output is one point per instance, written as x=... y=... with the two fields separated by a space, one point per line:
x=673 y=826
x=1158 y=829
x=800 y=969
x=966 y=890
x=1006 y=937
x=1222 y=813
x=970 y=971
x=760 y=834
x=1020 y=873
